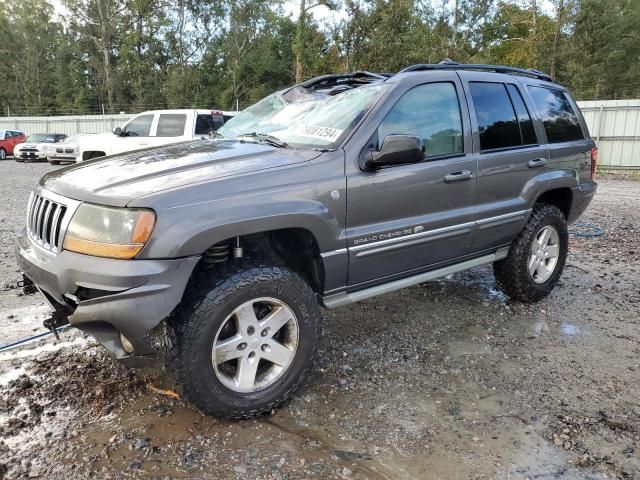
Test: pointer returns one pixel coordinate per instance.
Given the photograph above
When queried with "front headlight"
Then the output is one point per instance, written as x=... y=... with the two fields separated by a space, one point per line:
x=109 y=232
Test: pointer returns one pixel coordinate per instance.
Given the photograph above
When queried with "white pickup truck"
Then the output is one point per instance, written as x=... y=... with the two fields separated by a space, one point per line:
x=151 y=129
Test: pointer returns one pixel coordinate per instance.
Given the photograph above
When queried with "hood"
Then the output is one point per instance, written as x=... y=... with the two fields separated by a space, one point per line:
x=36 y=145
x=118 y=179
x=89 y=138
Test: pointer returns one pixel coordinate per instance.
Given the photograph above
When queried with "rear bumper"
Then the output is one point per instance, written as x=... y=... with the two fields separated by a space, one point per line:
x=582 y=196
x=108 y=297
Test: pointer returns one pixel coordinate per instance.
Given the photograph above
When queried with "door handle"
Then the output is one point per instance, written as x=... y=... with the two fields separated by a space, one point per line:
x=538 y=162
x=458 y=176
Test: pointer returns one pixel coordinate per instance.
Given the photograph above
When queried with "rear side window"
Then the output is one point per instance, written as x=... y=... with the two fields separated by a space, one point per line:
x=430 y=112
x=171 y=125
x=207 y=123
x=139 y=126
x=204 y=124
x=497 y=122
x=559 y=119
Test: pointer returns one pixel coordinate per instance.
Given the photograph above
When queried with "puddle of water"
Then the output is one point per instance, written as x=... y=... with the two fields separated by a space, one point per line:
x=46 y=345
x=10 y=375
x=569 y=329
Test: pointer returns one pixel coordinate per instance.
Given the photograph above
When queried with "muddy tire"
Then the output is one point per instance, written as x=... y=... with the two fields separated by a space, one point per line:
x=243 y=340
x=536 y=257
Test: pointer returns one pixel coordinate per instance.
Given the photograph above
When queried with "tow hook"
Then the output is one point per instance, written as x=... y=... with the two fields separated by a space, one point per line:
x=58 y=319
x=27 y=286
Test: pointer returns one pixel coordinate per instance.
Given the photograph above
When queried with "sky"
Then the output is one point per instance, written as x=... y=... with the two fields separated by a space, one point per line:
x=323 y=14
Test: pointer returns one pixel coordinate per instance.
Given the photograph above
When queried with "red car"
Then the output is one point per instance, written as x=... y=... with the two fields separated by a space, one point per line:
x=8 y=140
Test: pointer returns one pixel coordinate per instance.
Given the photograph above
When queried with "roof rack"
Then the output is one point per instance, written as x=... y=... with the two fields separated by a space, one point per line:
x=448 y=64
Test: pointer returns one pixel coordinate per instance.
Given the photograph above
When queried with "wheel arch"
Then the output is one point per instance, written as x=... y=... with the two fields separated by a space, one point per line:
x=561 y=197
x=553 y=188
x=90 y=154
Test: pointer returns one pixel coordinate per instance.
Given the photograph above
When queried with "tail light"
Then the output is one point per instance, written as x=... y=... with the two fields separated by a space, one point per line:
x=594 y=162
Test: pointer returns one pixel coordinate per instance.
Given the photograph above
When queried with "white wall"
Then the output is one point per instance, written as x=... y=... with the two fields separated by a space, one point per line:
x=615 y=126
x=65 y=124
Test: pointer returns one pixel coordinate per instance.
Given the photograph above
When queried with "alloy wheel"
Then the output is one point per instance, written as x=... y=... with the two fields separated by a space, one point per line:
x=544 y=254
x=255 y=345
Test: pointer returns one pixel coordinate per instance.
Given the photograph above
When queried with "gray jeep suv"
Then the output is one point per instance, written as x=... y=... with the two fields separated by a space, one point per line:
x=216 y=254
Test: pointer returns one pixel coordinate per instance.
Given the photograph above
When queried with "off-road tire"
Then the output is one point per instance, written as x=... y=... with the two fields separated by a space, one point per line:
x=210 y=298
x=3 y=154
x=511 y=273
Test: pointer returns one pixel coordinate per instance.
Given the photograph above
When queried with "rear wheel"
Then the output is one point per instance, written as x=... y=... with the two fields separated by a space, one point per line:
x=536 y=257
x=244 y=340
x=3 y=154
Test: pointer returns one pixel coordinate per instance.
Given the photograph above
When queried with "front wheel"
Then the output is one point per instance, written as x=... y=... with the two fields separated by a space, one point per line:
x=536 y=257
x=244 y=340
x=3 y=154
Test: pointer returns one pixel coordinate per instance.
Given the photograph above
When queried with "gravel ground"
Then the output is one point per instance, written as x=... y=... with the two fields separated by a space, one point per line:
x=445 y=380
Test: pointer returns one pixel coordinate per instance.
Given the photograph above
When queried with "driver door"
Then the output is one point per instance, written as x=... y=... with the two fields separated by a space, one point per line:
x=136 y=134
x=404 y=219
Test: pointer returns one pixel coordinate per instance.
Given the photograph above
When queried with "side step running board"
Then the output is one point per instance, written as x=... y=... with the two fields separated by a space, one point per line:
x=341 y=299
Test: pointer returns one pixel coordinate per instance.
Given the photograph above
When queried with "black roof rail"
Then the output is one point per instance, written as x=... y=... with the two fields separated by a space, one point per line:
x=327 y=81
x=448 y=64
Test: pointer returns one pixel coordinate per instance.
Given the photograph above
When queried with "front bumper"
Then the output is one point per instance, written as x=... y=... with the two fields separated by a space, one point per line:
x=107 y=296
x=31 y=155
x=63 y=157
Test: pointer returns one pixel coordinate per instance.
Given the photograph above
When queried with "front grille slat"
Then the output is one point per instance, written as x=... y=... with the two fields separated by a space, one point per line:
x=36 y=220
x=44 y=222
x=41 y=214
x=48 y=222
x=55 y=226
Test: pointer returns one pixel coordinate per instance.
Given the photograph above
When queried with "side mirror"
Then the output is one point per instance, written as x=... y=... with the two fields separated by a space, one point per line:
x=395 y=150
x=117 y=131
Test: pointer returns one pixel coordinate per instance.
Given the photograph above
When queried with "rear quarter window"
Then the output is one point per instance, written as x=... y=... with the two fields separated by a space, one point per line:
x=557 y=114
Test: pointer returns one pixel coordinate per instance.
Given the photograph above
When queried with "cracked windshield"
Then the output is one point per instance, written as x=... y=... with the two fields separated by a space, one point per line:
x=316 y=121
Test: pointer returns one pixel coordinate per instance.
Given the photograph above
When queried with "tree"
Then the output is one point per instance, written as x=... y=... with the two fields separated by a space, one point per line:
x=303 y=33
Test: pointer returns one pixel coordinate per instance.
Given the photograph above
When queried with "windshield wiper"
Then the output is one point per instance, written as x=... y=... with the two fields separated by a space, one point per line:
x=265 y=138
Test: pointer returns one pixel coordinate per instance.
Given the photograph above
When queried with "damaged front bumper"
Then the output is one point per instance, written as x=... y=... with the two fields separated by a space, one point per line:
x=108 y=298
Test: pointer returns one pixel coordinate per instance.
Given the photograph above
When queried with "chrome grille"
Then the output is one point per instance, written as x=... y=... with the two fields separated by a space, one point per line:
x=44 y=222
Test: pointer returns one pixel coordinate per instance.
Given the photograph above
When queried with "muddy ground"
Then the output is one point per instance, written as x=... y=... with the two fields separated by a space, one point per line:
x=446 y=380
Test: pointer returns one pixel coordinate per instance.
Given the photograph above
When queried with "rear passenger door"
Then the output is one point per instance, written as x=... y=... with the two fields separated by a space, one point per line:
x=170 y=128
x=507 y=142
x=569 y=145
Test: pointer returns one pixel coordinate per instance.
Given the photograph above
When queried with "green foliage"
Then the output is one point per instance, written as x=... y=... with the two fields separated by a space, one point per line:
x=134 y=55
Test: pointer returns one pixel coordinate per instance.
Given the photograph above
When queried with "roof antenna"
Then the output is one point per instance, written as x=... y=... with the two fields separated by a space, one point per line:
x=447 y=61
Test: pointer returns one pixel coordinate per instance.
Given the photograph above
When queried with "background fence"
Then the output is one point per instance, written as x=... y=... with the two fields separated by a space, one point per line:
x=614 y=124
x=66 y=124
